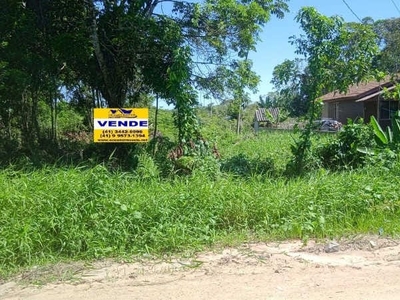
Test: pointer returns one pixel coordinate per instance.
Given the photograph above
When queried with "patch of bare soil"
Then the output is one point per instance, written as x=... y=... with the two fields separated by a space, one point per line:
x=361 y=268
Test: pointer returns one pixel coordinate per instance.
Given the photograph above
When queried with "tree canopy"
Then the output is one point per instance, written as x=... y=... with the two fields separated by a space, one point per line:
x=290 y=80
x=114 y=53
x=333 y=55
x=388 y=34
x=337 y=55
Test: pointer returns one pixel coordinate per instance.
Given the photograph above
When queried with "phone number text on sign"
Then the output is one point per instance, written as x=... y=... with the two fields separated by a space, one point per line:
x=121 y=125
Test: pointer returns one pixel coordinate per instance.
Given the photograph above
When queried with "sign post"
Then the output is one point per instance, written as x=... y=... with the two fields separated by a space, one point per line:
x=121 y=125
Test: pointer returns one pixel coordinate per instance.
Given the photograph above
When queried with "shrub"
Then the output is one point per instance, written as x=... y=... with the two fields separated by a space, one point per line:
x=342 y=151
x=160 y=147
x=196 y=155
x=147 y=168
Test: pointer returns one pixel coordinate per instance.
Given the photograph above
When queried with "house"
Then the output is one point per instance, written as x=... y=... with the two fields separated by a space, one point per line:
x=264 y=117
x=361 y=101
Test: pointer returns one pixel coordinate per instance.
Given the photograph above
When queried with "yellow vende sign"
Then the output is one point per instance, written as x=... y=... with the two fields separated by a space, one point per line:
x=121 y=125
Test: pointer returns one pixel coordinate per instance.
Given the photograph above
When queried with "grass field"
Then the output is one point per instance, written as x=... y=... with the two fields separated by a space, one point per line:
x=53 y=214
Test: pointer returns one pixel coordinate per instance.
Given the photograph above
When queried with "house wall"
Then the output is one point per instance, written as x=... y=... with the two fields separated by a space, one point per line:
x=325 y=111
x=370 y=109
x=350 y=110
x=329 y=110
x=341 y=111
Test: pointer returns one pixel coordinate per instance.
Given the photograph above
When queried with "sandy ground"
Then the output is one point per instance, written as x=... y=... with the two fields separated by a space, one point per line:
x=361 y=268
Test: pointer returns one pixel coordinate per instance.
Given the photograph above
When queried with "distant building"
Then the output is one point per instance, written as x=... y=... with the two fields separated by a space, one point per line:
x=361 y=101
x=261 y=119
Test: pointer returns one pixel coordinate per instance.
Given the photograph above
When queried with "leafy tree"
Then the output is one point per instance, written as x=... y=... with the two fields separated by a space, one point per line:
x=272 y=99
x=338 y=55
x=240 y=79
x=27 y=69
x=263 y=102
x=184 y=96
x=213 y=30
x=116 y=53
x=389 y=41
x=290 y=80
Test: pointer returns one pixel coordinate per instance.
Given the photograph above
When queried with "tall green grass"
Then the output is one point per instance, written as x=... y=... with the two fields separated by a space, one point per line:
x=53 y=214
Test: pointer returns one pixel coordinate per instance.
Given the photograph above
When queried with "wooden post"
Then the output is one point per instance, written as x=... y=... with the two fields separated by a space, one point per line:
x=256 y=125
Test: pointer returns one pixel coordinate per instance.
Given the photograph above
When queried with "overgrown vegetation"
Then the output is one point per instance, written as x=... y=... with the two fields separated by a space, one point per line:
x=52 y=213
x=78 y=213
x=197 y=182
x=342 y=152
x=61 y=59
x=338 y=55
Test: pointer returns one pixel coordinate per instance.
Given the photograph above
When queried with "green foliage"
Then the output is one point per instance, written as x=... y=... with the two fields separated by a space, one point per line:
x=337 y=55
x=302 y=160
x=243 y=166
x=182 y=94
x=235 y=107
x=132 y=202
x=238 y=81
x=282 y=116
x=393 y=94
x=147 y=168
x=290 y=80
x=390 y=138
x=69 y=120
x=57 y=214
x=381 y=137
x=206 y=166
x=387 y=144
x=272 y=146
x=388 y=40
x=342 y=151
x=197 y=156
x=165 y=125
x=160 y=147
x=116 y=54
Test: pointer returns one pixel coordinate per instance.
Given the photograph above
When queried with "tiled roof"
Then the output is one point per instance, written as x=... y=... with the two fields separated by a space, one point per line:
x=369 y=96
x=260 y=114
x=359 y=91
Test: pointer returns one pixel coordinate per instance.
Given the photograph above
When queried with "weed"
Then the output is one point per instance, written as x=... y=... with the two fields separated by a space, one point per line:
x=55 y=214
x=342 y=151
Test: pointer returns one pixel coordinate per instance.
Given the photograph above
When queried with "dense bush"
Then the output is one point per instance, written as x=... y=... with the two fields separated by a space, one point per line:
x=342 y=151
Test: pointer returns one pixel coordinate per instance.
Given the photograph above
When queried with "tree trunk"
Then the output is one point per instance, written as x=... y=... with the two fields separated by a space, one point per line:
x=90 y=105
x=55 y=118
x=9 y=124
x=155 y=127
x=52 y=116
x=238 y=122
x=107 y=90
x=35 y=122
x=98 y=99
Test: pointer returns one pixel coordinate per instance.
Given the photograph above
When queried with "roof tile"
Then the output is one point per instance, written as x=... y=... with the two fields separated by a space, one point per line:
x=358 y=91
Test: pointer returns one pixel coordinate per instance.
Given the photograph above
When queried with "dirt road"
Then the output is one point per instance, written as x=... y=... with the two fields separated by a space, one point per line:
x=363 y=268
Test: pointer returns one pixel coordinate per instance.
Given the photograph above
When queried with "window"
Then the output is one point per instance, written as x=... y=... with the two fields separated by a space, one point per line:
x=388 y=108
x=333 y=112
